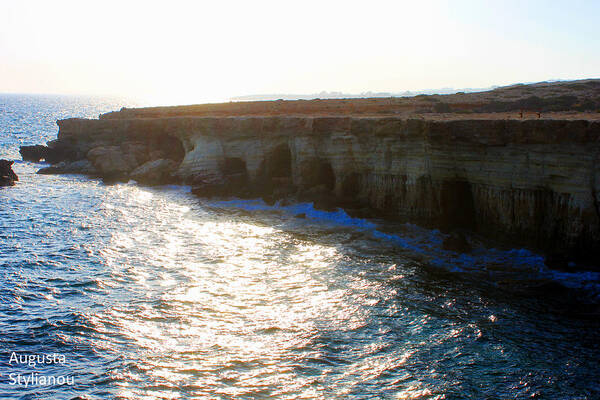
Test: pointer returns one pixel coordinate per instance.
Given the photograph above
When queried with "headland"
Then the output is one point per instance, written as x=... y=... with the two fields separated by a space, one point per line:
x=518 y=164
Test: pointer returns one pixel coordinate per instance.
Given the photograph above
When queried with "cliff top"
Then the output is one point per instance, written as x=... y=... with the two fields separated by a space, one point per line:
x=552 y=100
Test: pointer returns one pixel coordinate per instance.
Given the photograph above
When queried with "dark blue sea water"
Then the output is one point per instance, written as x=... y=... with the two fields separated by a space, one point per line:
x=121 y=291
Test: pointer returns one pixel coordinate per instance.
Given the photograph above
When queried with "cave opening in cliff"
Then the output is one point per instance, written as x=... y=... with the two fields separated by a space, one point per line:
x=233 y=166
x=457 y=205
x=169 y=147
x=317 y=172
x=275 y=171
x=350 y=186
x=278 y=163
x=235 y=176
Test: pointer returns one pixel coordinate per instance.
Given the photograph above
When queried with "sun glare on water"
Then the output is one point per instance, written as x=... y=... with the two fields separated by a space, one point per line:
x=221 y=296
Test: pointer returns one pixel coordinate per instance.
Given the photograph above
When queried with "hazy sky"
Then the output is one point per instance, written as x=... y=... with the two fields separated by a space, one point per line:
x=194 y=51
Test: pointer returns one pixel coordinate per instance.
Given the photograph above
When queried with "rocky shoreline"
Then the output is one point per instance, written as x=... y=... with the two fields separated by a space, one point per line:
x=526 y=182
x=518 y=165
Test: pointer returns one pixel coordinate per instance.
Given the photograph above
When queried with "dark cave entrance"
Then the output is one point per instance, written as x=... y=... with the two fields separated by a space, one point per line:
x=318 y=172
x=457 y=205
x=274 y=178
x=278 y=163
x=233 y=166
x=350 y=187
x=235 y=177
x=168 y=147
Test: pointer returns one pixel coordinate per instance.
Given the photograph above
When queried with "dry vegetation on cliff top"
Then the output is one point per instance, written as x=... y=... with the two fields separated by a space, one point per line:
x=546 y=100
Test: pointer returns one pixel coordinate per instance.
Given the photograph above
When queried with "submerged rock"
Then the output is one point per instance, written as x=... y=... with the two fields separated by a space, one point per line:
x=64 y=167
x=457 y=241
x=7 y=175
x=321 y=197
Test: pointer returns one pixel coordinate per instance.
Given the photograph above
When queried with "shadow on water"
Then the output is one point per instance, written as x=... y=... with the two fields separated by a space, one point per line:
x=508 y=328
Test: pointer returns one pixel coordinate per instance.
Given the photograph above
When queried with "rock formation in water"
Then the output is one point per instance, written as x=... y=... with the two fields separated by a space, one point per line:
x=33 y=153
x=7 y=175
x=532 y=182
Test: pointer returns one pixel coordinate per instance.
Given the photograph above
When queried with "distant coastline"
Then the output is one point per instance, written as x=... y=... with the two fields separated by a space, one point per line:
x=341 y=95
x=370 y=94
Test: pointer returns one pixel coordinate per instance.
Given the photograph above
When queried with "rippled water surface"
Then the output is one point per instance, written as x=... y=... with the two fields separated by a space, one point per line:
x=151 y=293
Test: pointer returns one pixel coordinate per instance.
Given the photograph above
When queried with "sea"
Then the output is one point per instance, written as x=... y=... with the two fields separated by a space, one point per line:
x=119 y=291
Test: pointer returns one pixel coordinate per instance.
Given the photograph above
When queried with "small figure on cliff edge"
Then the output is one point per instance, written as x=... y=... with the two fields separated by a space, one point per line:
x=521 y=114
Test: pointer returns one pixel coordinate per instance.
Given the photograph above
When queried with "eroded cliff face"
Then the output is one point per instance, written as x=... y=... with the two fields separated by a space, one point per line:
x=531 y=182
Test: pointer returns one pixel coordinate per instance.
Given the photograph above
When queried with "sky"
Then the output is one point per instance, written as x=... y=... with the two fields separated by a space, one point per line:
x=180 y=52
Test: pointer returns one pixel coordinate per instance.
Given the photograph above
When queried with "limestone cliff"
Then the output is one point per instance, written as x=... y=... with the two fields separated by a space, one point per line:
x=531 y=182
